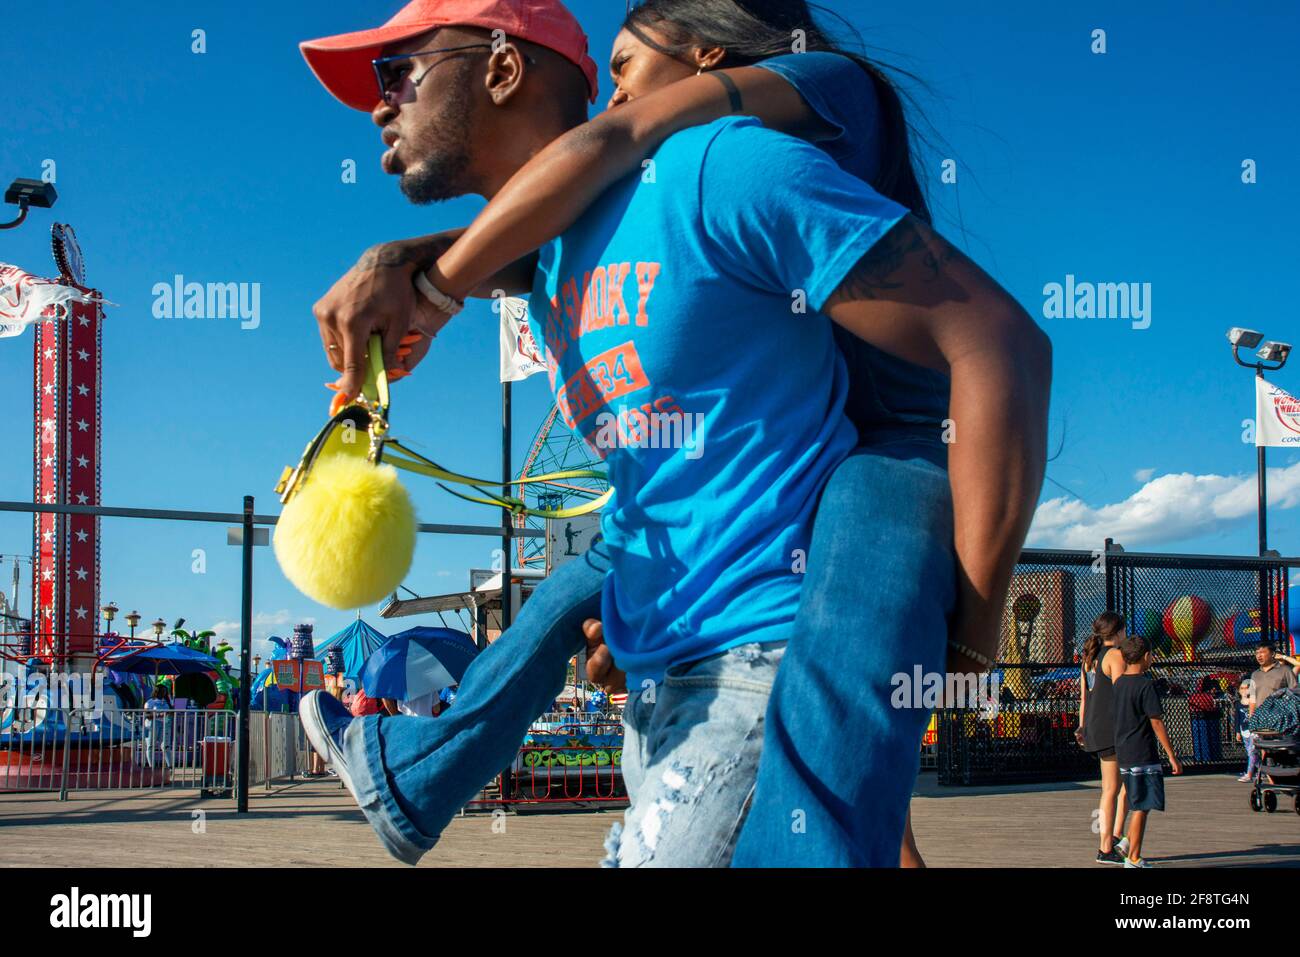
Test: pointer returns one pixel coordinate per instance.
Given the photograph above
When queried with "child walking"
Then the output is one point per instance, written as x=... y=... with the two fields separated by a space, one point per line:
x=1139 y=724
x=1241 y=714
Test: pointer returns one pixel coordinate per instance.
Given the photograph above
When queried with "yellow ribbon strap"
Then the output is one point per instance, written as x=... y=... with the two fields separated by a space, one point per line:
x=376 y=392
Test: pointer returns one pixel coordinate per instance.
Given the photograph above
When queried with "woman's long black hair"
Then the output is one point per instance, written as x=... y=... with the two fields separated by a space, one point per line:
x=1105 y=627
x=753 y=30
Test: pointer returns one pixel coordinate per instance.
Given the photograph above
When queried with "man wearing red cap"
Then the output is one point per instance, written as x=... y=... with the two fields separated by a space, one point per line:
x=470 y=138
x=442 y=43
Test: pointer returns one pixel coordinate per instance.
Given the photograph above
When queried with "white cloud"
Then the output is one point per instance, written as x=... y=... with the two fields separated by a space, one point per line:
x=1166 y=509
x=264 y=624
x=1144 y=475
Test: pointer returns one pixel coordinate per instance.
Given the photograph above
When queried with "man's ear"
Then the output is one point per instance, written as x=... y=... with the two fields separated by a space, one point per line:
x=505 y=72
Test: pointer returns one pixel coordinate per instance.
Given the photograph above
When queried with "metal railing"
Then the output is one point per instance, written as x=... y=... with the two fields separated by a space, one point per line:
x=68 y=749
x=278 y=748
x=567 y=757
x=247 y=520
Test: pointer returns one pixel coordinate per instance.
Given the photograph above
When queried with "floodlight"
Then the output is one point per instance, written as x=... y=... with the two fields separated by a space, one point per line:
x=1245 y=338
x=1275 y=351
x=31 y=192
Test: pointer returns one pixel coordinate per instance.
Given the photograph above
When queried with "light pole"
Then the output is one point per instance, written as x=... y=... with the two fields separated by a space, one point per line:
x=158 y=625
x=132 y=619
x=109 y=612
x=1270 y=358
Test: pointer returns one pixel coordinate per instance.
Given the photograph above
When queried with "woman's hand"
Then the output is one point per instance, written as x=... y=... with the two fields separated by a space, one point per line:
x=601 y=670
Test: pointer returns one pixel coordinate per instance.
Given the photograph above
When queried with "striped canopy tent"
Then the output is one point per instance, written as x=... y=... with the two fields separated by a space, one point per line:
x=357 y=641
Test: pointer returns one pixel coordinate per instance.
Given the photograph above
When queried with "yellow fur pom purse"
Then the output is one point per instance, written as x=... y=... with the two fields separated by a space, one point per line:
x=346 y=534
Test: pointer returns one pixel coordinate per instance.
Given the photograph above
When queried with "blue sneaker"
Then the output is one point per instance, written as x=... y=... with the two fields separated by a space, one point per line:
x=325 y=719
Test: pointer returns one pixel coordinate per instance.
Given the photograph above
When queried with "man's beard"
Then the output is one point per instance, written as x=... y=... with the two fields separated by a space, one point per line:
x=437 y=178
x=441 y=170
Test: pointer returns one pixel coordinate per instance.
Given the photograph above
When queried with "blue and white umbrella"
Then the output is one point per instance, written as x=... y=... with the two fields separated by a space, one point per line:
x=417 y=662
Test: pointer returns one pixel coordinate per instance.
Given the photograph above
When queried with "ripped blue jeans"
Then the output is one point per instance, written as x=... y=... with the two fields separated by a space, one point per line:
x=691 y=746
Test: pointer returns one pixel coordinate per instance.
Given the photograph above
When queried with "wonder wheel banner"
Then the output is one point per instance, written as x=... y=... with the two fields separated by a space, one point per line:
x=25 y=299
x=1277 y=416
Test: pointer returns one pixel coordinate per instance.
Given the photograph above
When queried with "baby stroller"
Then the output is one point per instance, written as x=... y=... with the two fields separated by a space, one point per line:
x=1278 y=768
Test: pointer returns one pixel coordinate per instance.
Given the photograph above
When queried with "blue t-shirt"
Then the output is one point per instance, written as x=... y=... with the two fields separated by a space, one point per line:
x=889 y=397
x=669 y=314
x=842 y=94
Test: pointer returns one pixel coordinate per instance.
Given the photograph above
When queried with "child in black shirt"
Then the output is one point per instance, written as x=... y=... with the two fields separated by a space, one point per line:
x=1139 y=724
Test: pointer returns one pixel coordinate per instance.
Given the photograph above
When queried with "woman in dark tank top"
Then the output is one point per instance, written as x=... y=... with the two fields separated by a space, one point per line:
x=1096 y=731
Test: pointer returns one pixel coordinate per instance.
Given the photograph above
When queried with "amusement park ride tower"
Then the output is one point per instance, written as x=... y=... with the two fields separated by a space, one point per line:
x=66 y=467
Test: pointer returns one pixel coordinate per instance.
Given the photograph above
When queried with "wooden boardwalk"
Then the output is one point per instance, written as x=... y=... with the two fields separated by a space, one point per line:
x=316 y=824
x=1208 y=824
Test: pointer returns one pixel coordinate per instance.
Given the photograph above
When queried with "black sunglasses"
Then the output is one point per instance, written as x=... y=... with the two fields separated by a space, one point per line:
x=391 y=80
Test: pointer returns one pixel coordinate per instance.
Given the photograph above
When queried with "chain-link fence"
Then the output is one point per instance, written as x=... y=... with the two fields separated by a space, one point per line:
x=1203 y=616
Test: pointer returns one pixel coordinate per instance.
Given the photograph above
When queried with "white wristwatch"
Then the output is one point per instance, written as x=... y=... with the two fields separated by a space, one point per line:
x=440 y=299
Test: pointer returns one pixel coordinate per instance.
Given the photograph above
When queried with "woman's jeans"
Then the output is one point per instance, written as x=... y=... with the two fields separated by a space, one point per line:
x=1252 y=755
x=838 y=761
x=411 y=775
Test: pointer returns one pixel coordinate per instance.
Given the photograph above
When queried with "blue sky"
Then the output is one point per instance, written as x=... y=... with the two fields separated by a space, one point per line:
x=225 y=166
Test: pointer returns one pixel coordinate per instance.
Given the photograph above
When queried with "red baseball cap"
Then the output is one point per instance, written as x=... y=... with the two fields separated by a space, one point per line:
x=342 y=63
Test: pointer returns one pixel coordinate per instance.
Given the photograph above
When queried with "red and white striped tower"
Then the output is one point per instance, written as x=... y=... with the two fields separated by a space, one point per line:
x=65 y=548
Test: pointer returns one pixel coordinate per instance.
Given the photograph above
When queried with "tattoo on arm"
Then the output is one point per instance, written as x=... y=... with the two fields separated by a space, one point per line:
x=388 y=256
x=734 y=98
x=884 y=269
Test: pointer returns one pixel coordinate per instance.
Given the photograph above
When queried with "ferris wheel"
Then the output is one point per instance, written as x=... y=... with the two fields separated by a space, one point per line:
x=555 y=448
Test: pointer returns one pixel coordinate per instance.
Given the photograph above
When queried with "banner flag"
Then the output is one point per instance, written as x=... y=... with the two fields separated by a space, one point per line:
x=520 y=356
x=25 y=299
x=1277 y=416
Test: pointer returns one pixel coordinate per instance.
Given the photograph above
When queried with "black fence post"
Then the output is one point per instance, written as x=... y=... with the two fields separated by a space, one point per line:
x=1110 y=577
x=245 y=658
